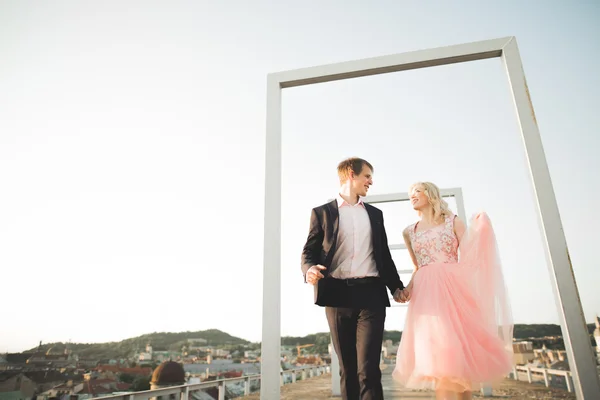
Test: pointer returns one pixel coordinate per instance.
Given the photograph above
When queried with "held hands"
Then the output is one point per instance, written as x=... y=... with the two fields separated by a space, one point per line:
x=402 y=296
x=314 y=274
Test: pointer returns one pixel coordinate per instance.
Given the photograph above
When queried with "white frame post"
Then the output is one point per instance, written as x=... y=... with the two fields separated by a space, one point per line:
x=271 y=321
x=570 y=312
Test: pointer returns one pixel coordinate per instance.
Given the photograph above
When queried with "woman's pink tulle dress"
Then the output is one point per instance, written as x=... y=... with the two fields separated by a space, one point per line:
x=458 y=331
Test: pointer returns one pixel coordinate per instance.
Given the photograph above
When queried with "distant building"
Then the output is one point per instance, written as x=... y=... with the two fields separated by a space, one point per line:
x=18 y=385
x=196 y=344
x=546 y=357
x=161 y=356
x=388 y=349
x=10 y=361
x=523 y=352
x=147 y=355
x=251 y=354
x=203 y=349
x=29 y=384
x=114 y=371
x=57 y=357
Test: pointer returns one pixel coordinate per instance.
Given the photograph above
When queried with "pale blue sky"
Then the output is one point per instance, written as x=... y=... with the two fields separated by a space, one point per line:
x=132 y=152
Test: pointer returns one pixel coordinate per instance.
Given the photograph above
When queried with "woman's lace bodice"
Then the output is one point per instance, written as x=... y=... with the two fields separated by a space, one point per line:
x=435 y=245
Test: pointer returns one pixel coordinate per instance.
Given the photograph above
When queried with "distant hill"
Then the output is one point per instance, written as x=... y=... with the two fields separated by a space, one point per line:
x=523 y=331
x=160 y=341
x=173 y=341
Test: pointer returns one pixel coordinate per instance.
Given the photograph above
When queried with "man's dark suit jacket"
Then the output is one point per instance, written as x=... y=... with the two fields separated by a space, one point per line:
x=320 y=248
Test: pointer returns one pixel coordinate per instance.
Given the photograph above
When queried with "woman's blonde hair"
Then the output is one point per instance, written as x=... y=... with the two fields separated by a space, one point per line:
x=440 y=207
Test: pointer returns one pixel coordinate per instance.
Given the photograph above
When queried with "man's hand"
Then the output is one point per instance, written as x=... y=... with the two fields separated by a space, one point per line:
x=314 y=274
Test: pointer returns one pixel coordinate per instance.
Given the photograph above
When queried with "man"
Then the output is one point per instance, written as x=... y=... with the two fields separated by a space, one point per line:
x=347 y=259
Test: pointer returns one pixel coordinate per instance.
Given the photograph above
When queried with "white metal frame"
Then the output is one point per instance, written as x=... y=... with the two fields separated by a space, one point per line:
x=579 y=351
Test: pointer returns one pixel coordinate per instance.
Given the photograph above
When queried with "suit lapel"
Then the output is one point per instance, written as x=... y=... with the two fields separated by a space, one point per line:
x=333 y=228
x=374 y=225
x=334 y=215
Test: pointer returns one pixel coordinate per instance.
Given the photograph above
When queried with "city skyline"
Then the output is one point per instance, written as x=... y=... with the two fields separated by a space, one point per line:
x=149 y=342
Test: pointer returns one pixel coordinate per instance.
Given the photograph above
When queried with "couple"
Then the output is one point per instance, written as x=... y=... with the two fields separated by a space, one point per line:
x=458 y=330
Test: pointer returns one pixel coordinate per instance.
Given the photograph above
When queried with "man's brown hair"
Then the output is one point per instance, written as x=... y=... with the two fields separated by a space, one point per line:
x=353 y=164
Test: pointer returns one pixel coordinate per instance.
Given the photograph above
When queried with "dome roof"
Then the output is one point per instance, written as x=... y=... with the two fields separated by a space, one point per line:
x=168 y=373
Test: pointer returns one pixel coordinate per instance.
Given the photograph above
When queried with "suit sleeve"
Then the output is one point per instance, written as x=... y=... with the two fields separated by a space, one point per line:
x=314 y=244
x=391 y=278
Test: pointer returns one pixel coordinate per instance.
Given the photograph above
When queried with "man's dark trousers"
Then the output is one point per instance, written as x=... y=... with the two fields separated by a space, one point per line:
x=357 y=335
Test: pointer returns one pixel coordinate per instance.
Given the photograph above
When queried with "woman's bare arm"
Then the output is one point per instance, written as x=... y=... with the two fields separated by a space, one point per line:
x=459 y=229
x=406 y=237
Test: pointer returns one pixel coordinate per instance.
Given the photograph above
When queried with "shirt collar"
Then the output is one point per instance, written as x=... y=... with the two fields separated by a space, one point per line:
x=341 y=202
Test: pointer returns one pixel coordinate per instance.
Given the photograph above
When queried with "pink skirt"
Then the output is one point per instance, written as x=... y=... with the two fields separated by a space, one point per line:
x=458 y=330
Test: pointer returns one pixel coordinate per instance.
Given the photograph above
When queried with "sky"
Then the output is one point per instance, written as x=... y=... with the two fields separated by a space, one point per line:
x=132 y=140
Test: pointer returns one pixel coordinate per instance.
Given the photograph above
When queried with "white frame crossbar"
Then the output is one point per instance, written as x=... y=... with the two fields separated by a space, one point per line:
x=581 y=360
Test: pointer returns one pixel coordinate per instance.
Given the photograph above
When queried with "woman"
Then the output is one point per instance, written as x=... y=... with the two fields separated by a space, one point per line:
x=458 y=330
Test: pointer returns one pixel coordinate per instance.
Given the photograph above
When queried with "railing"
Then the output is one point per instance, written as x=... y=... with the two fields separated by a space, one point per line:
x=183 y=391
x=537 y=374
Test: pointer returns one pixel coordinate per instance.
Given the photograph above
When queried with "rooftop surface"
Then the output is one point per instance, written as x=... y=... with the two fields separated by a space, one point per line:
x=320 y=388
